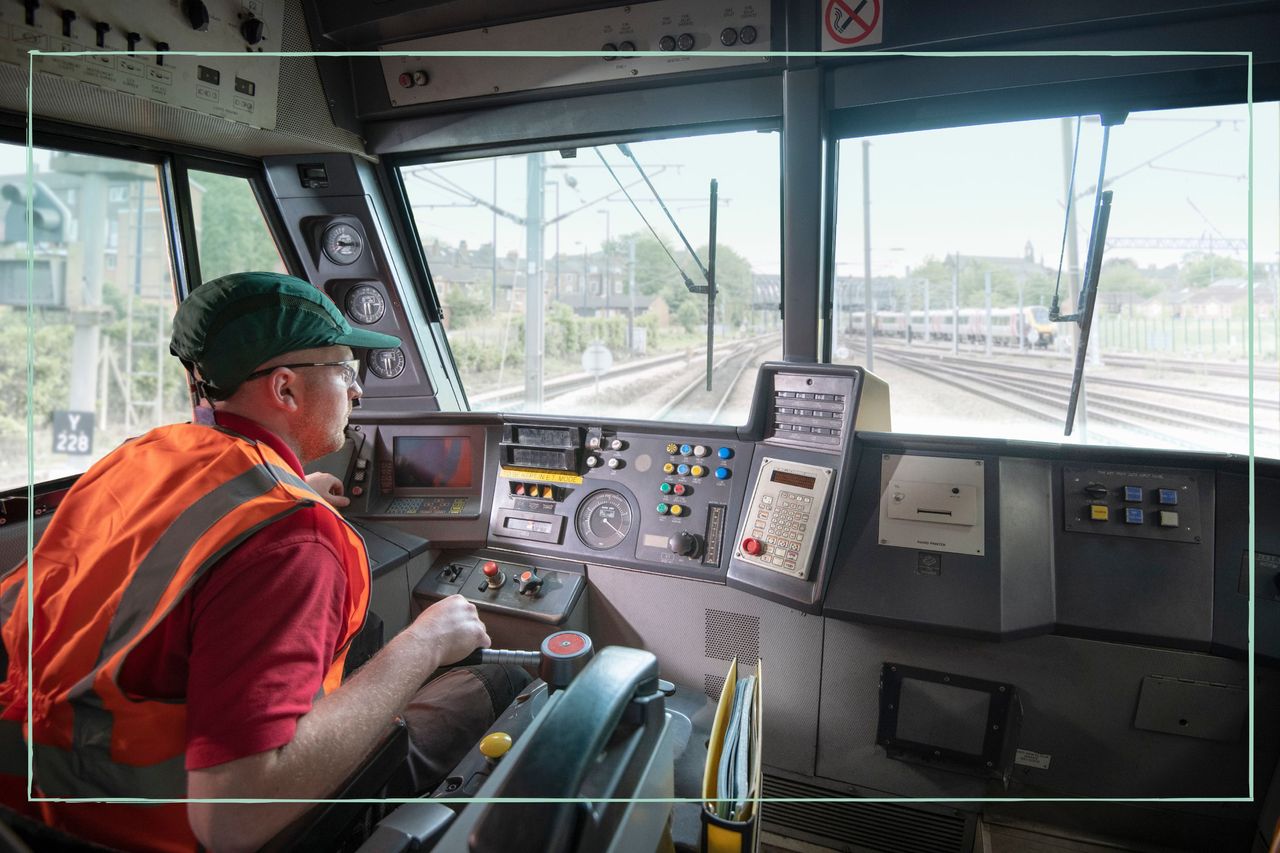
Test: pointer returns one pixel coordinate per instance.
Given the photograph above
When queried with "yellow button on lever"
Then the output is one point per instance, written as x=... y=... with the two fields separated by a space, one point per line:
x=495 y=745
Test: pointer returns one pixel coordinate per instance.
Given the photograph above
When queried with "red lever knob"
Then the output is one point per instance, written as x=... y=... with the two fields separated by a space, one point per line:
x=490 y=568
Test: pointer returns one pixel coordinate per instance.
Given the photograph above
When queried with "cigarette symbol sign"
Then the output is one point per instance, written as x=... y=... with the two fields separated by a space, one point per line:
x=850 y=22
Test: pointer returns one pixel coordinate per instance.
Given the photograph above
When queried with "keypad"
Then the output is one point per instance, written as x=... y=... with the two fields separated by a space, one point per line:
x=781 y=525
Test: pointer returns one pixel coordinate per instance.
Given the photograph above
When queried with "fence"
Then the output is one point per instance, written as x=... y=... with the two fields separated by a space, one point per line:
x=1216 y=337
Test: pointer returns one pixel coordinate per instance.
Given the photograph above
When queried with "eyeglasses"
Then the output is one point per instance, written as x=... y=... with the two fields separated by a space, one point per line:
x=350 y=369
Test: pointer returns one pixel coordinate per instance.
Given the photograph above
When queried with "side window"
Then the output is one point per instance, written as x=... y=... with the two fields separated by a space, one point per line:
x=101 y=303
x=231 y=232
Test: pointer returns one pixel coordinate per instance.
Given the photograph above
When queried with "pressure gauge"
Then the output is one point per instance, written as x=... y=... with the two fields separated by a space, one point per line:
x=386 y=363
x=342 y=243
x=365 y=304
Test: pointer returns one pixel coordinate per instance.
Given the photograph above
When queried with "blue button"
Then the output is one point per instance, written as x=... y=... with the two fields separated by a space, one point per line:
x=1133 y=493
x=685 y=450
x=1132 y=515
x=1169 y=497
x=725 y=453
x=722 y=473
x=682 y=469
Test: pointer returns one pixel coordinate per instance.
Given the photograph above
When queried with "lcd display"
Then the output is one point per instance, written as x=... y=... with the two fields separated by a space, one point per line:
x=789 y=479
x=432 y=462
x=943 y=715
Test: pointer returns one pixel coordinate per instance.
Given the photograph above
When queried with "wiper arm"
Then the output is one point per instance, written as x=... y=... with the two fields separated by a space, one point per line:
x=708 y=272
x=1088 y=296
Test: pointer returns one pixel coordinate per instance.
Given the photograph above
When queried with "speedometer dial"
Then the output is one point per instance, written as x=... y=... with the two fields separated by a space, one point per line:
x=604 y=519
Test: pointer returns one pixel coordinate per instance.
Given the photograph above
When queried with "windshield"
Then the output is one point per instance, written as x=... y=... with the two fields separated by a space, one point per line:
x=605 y=294
x=966 y=237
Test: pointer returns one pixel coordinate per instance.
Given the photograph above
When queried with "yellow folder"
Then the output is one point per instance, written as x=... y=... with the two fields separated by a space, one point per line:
x=737 y=832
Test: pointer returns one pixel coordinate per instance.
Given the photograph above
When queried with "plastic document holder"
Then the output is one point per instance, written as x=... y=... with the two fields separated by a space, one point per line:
x=731 y=781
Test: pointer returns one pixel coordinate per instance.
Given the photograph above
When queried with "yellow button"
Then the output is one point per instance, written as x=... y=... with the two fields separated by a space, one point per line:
x=672 y=448
x=1098 y=512
x=676 y=509
x=668 y=468
x=697 y=470
x=1168 y=519
x=495 y=745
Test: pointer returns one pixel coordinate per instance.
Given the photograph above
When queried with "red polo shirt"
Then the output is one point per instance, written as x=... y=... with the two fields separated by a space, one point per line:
x=248 y=646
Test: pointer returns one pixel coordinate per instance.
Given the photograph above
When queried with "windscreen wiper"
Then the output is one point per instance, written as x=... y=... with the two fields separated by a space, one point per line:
x=1088 y=296
x=708 y=271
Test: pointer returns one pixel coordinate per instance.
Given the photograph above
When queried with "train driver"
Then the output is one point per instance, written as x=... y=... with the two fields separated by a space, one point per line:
x=195 y=597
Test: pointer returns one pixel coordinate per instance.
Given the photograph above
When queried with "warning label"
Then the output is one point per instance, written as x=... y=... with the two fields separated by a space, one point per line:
x=851 y=23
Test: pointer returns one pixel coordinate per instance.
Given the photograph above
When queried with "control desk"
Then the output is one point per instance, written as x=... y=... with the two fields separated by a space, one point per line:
x=749 y=506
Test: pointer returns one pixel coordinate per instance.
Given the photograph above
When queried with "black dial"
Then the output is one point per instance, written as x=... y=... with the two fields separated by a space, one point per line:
x=365 y=304
x=604 y=519
x=342 y=243
x=386 y=363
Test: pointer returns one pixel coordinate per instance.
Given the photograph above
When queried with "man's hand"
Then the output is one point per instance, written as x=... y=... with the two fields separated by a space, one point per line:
x=451 y=627
x=329 y=487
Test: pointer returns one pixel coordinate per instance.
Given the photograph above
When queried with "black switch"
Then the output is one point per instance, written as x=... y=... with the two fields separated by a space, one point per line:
x=197 y=14
x=68 y=18
x=132 y=39
x=162 y=46
x=31 y=6
x=102 y=28
x=252 y=29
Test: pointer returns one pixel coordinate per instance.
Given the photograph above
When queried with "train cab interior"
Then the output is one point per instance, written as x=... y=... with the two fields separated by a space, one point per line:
x=920 y=358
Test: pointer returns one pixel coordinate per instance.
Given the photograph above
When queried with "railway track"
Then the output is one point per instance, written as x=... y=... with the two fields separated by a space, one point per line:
x=1044 y=394
x=1264 y=371
x=511 y=397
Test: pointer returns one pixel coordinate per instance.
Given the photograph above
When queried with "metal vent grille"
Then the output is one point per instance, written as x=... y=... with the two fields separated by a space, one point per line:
x=712 y=685
x=866 y=826
x=732 y=635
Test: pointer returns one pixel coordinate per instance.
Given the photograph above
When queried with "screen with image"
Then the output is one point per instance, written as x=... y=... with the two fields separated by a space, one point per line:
x=432 y=462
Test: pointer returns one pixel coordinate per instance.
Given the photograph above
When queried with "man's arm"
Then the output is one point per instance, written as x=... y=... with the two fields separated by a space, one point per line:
x=333 y=737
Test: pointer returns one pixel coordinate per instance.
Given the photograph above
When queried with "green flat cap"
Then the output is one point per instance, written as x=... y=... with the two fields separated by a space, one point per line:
x=229 y=326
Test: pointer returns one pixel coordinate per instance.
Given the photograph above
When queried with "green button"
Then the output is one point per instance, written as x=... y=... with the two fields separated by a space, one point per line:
x=662 y=509
x=665 y=488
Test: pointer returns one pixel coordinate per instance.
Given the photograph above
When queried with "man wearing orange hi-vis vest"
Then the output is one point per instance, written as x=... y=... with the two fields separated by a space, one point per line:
x=194 y=597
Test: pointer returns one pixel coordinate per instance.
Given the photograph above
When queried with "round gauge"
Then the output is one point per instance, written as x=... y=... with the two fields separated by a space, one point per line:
x=604 y=519
x=342 y=243
x=365 y=304
x=386 y=363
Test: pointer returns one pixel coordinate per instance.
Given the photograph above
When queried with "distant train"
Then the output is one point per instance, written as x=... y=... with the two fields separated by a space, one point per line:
x=1029 y=324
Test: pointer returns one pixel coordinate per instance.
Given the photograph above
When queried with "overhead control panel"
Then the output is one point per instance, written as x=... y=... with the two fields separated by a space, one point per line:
x=134 y=43
x=683 y=30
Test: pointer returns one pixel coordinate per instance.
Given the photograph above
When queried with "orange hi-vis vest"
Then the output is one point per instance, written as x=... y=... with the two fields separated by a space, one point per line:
x=131 y=537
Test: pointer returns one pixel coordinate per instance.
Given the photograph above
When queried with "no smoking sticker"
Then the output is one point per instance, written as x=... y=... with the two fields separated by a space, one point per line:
x=846 y=23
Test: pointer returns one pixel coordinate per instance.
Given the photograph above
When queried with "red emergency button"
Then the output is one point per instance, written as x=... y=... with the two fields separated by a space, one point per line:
x=490 y=568
x=752 y=546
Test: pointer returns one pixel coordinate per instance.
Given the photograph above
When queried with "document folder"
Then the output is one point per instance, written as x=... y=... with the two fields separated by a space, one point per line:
x=731 y=781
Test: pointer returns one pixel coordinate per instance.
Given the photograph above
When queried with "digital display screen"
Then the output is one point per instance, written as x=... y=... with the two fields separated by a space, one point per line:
x=432 y=462
x=943 y=715
x=788 y=479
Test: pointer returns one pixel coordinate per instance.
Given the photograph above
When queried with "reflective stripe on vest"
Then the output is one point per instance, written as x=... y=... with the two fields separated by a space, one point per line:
x=89 y=740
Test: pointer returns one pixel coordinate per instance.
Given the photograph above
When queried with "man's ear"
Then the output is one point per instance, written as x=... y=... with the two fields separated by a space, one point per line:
x=283 y=387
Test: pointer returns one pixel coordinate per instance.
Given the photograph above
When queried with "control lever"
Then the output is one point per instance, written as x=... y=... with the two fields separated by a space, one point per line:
x=561 y=657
